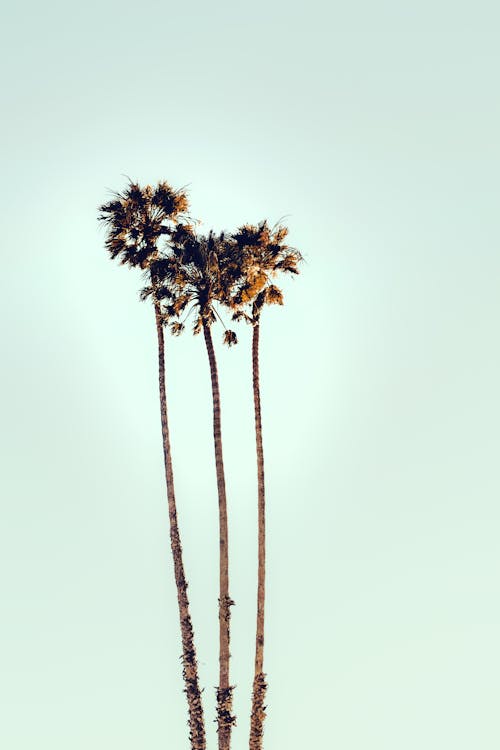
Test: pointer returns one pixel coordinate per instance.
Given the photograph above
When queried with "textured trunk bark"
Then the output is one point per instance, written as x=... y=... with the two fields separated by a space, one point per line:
x=190 y=668
x=225 y=719
x=259 y=683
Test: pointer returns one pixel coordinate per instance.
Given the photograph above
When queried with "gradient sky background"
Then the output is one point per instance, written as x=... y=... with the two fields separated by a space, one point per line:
x=374 y=128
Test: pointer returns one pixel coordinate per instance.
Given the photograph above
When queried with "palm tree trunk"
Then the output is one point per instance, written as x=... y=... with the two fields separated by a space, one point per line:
x=259 y=683
x=225 y=719
x=190 y=667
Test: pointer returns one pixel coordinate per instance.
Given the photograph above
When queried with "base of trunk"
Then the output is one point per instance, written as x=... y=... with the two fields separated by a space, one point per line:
x=225 y=718
x=258 y=711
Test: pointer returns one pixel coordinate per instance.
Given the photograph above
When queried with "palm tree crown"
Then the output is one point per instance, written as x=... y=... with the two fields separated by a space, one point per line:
x=197 y=273
x=262 y=253
x=137 y=217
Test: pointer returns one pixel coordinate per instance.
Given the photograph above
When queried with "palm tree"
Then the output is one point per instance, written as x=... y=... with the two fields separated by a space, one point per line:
x=135 y=220
x=196 y=274
x=262 y=254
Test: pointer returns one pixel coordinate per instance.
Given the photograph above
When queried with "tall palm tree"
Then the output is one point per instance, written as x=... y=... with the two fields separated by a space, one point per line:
x=135 y=220
x=196 y=274
x=262 y=254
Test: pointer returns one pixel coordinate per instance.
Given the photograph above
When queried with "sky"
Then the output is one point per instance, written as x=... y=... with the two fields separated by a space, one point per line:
x=372 y=128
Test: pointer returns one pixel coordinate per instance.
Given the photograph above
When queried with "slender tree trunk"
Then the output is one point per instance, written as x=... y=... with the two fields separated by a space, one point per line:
x=225 y=719
x=259 y=683
x=190 y=667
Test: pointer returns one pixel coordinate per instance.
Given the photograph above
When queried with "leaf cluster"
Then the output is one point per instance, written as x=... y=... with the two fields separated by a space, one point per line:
x=136 y=218
x=192 y=272
x=264 y=253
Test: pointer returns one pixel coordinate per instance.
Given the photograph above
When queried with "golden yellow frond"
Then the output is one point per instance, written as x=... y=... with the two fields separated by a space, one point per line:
x=274 y=296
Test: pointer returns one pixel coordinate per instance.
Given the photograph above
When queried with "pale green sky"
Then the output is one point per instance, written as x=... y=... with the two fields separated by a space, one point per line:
x=374 y=128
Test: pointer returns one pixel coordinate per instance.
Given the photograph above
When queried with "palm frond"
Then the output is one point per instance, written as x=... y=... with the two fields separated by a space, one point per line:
x=230 y=338
x=273 y=295
x=198 y=325
x=145 y=293
x=176 y=328
x=180 y=303
x=241 y=315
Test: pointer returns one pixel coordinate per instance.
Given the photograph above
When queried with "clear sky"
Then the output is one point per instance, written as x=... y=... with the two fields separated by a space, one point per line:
x=373 y=127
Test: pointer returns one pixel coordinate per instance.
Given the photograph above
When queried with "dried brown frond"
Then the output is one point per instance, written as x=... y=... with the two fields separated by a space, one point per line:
x=242 y=315
x=181 y=203
x=279 y=234
x=176 y=328
x=230 y=338
x=256 y=280
x=273 y=295
x=180 y=303
x=288 y=263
